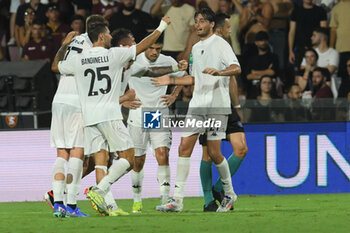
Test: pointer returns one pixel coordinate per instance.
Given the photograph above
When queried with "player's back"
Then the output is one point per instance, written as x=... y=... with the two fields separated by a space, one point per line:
x=67 y=91
x=98 y=73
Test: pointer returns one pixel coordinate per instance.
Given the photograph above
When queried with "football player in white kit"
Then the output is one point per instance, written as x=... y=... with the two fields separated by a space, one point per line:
x=98 y=73
x=153 y=98
x=67 y=132
x=213 y=63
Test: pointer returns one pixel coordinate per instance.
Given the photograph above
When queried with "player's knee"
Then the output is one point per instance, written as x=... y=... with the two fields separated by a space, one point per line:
x=138 y=164
x=241 y=151
x=184 y=151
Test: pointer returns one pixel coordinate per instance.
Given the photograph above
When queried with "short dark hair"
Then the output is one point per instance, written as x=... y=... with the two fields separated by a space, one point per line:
x=323 y=31
x=118 y=35
x=95 y=30
x=220 y=20
x=95 y=19
x=77 y=17
x=207 y=14
x=261 y=36
x=324 y=72
x=311 y=50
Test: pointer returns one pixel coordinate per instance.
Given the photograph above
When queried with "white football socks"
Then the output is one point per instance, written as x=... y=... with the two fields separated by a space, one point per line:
x=116 y=171
x=182 y=171
x=75 y=170
x=225 y=176
x=136 y=182
x=163 y=176
x=58 y=185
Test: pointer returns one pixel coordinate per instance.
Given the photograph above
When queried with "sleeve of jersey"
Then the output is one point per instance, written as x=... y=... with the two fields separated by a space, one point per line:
x=66 y=67
x=125 y=55
x=228 y=56
x=137 y=70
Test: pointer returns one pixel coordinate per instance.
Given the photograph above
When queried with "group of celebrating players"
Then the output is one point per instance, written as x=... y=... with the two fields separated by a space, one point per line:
x=87 y=124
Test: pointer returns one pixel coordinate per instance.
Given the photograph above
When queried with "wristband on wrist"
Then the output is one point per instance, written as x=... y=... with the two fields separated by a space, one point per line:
x=162 y=26
x=237 y=106
x=175 y=68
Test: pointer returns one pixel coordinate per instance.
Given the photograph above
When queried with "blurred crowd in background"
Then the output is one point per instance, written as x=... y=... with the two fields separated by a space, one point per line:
x=290 y=50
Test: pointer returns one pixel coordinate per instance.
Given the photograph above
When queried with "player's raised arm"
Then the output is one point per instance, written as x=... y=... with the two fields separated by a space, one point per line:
x=62 y=51
x=149 y=40
x=233 y=69
x=167 y=80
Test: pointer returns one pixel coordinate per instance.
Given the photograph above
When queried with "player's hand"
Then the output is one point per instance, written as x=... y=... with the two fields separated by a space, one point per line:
x=211 y=71
x=69 y=37
x=166 y=19
x=168 y=99
x=132 y=104
x=182 y=65
x=130 y=95
x=161 y=81
x=291 y=57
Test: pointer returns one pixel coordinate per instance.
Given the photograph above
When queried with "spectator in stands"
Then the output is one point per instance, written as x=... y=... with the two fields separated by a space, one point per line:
x=256 y=16
x=303 y=21
x=13 y=28
x=262 y=64
x=25 y=30
x=55 y=29
x=320 y=89
x=227 y=7
x=327 y=57
x=77 y=23
x=294 y=110
x=38 y=48
x=264 y=109
x=182 y=24
x=138 y=22
x=83 y=7
x=66 y=10
x=106 y=8
x=38 y=8
x=321 y=107
x=278 y=28
x=344 y=89
x=340 y=34
x=304 y=75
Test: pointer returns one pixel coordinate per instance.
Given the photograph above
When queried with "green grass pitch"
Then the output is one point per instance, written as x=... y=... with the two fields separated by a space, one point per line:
x=284 y=213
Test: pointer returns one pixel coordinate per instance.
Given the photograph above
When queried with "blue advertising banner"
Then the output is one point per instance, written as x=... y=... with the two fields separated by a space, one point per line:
x=294 y=159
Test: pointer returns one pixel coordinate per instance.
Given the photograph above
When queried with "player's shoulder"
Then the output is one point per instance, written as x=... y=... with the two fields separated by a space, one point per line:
x=81 y=40
x=165 y=58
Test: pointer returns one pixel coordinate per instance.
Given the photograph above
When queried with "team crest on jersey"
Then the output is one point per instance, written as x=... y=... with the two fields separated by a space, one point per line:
x=43 y=48
x=152 y=119
x=11 y=120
